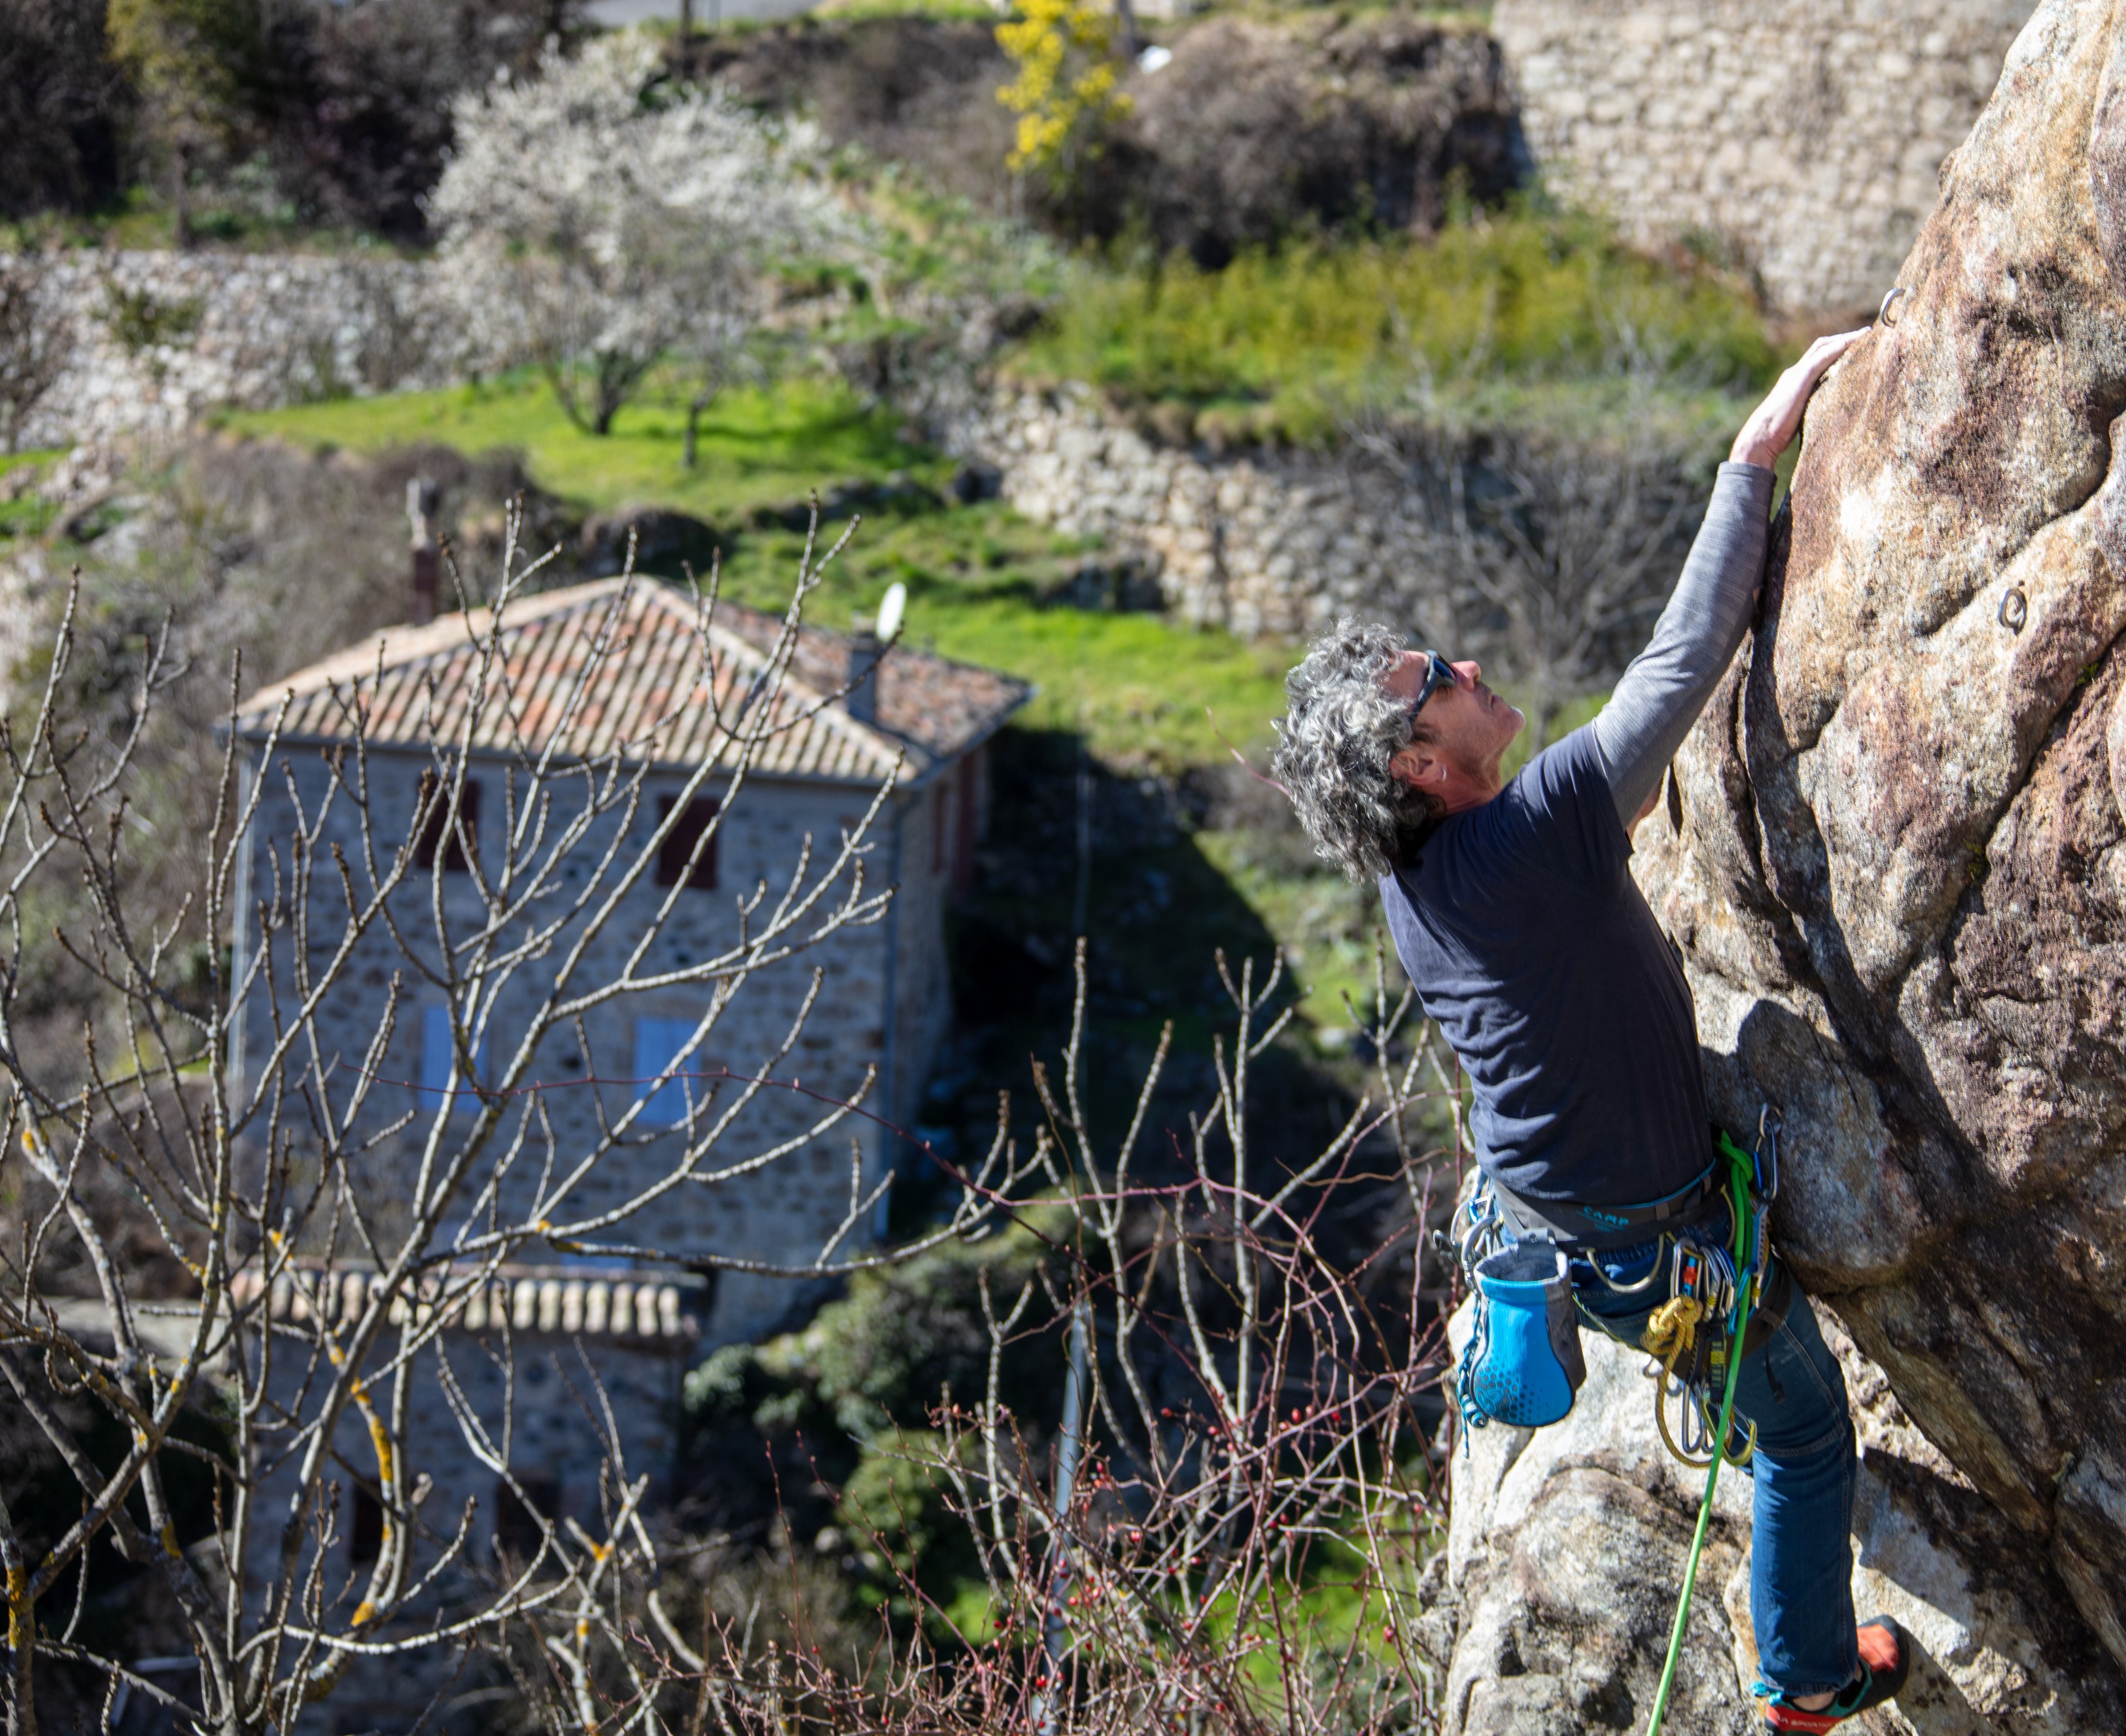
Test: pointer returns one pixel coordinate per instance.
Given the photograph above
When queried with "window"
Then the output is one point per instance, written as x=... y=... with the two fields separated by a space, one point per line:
x=658 y=1044
x=678 y=849
x=365 y=1531
x=438 y=1057
x=941 y=820
x=517 y=1531
x=453 y=834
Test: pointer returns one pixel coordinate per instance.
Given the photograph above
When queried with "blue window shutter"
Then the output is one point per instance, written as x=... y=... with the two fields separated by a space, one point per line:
x=435 y=1053
x=658 y=1042
x=435 y=1060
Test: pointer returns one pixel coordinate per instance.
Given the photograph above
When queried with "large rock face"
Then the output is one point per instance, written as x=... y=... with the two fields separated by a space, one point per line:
x=1894 y=852
x=1894 y=857
x=1567 y=1551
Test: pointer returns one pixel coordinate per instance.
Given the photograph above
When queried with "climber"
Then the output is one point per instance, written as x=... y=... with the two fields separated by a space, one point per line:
x=1514 y=913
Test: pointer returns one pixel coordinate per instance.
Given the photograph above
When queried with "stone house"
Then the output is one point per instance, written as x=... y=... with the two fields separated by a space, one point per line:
x=621 y=668
x=912 y=718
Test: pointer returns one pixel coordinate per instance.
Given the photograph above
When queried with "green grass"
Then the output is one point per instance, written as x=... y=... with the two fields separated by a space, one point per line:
x=1291 y=342
x=1142 y=688
x=757 y=445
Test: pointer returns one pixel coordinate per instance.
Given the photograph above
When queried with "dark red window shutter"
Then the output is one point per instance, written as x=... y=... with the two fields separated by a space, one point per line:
x=678 y=849
x=445 y=830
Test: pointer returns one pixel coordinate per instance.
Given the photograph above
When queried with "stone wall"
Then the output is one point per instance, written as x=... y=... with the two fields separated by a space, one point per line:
x=1264 y=542
x=1802 y=137
x=160 y=338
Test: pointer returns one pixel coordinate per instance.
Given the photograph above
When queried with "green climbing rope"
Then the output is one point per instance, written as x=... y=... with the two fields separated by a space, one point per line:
x=1742 y=1171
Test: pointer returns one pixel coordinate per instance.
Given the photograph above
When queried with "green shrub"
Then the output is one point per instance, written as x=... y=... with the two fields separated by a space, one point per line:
x=850 y=1398
x=897 y=1510
x=140 y=320
x=1292 y=341
x=882 y=1356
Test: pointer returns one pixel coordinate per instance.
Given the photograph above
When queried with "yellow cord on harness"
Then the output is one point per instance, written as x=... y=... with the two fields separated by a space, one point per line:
x=1670 y=1336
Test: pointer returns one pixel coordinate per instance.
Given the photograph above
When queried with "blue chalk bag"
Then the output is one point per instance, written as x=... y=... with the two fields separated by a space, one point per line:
x=1523 y=1363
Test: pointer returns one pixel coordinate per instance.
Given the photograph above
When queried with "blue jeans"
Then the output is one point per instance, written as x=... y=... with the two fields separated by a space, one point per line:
x=1800 y=1551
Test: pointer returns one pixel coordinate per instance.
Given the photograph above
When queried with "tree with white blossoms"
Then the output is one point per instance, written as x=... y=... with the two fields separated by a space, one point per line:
x=597 y=218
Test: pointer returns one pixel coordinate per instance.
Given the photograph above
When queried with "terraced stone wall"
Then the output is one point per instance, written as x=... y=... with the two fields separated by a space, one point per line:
x=157 y=338
x=1800 y=140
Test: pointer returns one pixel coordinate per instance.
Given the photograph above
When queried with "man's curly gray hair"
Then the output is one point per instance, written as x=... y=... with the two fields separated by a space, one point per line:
x=1341 y=729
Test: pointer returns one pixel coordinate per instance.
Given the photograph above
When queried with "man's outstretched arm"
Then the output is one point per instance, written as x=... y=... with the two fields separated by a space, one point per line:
x=1668 y=683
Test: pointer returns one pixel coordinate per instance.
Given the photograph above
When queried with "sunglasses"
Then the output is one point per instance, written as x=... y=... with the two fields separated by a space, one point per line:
x=1439 y=673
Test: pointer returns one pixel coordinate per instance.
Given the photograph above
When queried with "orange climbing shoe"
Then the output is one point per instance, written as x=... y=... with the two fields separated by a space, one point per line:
x=1886 y=1654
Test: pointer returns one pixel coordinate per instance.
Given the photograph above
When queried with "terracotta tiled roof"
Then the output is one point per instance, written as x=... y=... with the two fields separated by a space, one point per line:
x=565 y=1299
x=928 y=701
x=409 y=684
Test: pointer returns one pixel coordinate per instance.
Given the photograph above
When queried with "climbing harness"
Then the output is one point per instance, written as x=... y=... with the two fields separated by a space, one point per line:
x=1586 y=1228
x=1521 y=1364
x=1752 y=1180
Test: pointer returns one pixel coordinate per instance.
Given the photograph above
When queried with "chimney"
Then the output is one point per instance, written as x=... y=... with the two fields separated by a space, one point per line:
x=864 y=653
x=424 y=499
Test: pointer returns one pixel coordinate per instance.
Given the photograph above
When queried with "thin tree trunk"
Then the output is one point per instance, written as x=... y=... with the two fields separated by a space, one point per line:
x=695 y=406
x=1542 y=713
x=554 y=368
x=181 y=202
x=706 y=394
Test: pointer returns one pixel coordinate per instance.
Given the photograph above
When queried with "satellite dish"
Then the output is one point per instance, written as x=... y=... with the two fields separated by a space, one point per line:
x=891 y=613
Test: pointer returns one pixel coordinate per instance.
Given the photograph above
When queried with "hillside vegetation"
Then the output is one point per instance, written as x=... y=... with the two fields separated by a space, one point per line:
x=1516 y=314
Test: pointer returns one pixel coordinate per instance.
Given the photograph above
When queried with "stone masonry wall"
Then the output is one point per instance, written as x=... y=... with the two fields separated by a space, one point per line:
x=1804 y=136
x=158 y=338
x=1262 y=543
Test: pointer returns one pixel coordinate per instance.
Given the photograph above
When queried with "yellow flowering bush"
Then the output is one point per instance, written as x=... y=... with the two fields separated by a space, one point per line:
x=1066 y=78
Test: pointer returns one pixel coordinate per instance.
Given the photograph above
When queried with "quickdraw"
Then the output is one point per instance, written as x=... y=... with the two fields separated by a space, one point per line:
x=1690 y=1343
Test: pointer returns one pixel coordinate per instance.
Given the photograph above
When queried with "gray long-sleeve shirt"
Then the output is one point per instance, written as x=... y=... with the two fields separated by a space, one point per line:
x=1667 y=685
x=1529 y=942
